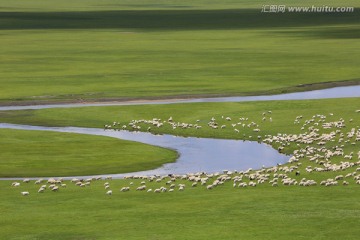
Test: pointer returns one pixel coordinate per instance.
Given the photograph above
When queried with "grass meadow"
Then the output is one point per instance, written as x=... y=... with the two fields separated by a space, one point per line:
x=81 y=51
x=98 y=50
x=263 y=212
x=39 y=153
x=225 y=212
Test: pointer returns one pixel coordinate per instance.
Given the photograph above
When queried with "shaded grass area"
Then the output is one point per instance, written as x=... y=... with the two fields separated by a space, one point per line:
x=223 y=213
x=171 y=19
x=38 y=153
x=91 y=5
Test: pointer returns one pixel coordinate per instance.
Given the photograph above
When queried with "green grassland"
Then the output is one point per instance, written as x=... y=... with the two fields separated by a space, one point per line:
x=105 y=49
x=225 y=212
x=38 y=153
x=82 y=50
x=222 y=213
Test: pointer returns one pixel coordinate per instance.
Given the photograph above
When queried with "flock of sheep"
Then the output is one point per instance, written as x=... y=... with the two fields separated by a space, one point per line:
x=321 y=146
x=135 y=125
x=274 y=176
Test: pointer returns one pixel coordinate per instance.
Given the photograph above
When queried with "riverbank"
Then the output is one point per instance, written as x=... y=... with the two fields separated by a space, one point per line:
x=323 y=91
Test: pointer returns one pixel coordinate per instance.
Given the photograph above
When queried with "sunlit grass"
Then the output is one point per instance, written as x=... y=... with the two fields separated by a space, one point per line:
x=40 y=154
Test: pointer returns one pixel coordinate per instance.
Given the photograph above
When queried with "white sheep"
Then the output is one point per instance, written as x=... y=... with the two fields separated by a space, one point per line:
x=15 y=184
x=75 y=180
x=25 y=193
x=38 y=181
x=141 y=188
x=124 y=189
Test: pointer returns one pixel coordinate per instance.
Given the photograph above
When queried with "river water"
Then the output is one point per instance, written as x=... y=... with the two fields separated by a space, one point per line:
x=338 y=92
x=196 y=154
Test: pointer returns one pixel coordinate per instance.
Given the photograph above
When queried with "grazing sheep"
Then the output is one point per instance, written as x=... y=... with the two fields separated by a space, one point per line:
x=38 y=181
x=26 y=180
x=109 y=192
x=15 y=184
x=141 y=188
x=209 y=187
x=252 y=184
x=124 y=189
x=25 y=193
x=51 y=181
x=75 y=180
x=340 y=177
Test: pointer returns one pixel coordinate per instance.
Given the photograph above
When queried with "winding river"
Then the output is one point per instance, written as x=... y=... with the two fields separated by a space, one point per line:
x=195 y=154
x=338 y=92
